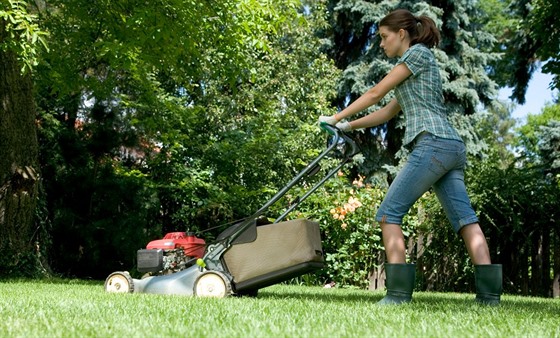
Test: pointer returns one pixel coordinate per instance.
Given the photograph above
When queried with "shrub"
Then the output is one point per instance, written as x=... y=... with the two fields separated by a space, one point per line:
x=351 y=239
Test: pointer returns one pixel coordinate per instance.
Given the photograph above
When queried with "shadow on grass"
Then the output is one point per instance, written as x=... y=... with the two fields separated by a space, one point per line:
x=52 y=280
x=428 y=300
x=533 y=305
x=326 y=296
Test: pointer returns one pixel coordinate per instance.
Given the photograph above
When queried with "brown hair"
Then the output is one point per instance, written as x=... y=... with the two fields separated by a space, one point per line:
x=422 y=29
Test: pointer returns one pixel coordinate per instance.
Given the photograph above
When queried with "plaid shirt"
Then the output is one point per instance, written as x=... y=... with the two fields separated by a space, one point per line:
x=421 y=96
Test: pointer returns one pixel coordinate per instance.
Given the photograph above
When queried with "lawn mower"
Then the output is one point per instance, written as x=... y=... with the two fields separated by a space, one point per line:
x=247 y=256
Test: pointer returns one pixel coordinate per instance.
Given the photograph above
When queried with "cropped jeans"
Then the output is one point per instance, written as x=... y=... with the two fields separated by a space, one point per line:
x=436 y=163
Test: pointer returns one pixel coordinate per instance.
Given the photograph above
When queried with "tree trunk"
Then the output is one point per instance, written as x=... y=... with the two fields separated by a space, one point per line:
x=536 y=263
x=524 y=268
x=18 y=166
x=545 y=272
x=556 y=269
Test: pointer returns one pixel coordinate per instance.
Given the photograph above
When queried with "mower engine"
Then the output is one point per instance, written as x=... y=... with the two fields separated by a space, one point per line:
x=175 y=252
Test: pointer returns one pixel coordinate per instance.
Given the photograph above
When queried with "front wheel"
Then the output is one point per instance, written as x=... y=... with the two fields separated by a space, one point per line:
x=212 y=284
x=119 y=282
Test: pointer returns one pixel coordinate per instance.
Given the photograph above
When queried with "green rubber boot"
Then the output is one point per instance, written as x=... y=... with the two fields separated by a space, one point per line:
x=399 y=281
x=488 y=282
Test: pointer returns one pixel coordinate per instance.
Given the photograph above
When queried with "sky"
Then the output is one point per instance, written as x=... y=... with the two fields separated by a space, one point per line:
x=538 y=95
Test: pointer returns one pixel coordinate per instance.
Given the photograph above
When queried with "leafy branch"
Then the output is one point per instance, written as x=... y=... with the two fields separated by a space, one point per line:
x=22 y=34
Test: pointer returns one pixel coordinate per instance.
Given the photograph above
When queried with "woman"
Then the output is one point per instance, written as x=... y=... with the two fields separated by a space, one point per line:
x=437 y=159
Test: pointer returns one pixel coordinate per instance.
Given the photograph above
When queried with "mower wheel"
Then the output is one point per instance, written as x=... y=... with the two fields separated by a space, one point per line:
x=212 y=284
x=119 y=282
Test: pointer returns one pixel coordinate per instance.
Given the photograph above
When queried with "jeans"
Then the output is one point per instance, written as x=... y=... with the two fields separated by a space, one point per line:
x=436 y=163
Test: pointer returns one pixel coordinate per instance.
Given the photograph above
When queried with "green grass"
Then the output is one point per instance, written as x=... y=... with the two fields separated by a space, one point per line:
x=84 y=309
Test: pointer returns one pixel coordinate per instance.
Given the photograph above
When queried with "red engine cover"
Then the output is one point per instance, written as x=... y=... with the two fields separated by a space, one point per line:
x=193 y=246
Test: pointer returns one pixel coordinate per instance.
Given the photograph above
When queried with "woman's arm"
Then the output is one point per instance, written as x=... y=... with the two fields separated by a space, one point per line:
x=375 y=94
x=378 y=117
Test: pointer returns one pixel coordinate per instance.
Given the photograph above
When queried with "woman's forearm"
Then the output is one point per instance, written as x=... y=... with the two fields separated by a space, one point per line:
x=375 y=94
x=365 y=101
x=378 y=117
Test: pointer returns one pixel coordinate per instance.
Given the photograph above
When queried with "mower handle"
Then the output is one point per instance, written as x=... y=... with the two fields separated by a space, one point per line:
x=214 y=251
x=338 y=134
x=332 y=130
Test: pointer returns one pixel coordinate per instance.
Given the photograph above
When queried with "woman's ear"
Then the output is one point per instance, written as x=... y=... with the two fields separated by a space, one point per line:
x=402 y=34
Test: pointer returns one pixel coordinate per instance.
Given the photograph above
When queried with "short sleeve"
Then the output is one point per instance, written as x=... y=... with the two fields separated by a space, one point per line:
x=415 y=59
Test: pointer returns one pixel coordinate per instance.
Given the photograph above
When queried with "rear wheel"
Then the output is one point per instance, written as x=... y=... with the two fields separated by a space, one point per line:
x=119 y=282
x=212 y=284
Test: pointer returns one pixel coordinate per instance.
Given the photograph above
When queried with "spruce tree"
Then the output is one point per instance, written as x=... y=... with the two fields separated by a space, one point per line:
x=463 y=57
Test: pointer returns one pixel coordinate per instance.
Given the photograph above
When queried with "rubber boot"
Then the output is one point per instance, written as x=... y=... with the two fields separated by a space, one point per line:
x=488 y=282
x=400 y=279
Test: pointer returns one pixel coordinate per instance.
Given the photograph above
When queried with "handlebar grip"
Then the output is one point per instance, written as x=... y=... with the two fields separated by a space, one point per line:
x=338 y=134
x=332 y=130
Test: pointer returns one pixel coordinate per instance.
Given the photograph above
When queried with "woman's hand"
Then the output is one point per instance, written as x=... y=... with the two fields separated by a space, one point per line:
x=328 y=119
x=344 y=126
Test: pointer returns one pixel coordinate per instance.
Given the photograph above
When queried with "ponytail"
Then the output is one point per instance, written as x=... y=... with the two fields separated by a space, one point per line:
x=422 y=29
x=427 y=32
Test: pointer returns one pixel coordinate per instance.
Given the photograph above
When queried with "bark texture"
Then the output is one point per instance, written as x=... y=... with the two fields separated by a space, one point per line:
x=19 y=171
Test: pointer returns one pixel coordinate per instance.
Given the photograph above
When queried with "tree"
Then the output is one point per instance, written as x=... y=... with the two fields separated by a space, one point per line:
x=517 y=201
x=495 y=127
x=528 y=36
x=463 y=57
x=174 y=116
x=518 y=208
x=545 y=28
x=529 y=139
x=549 y=147
x=22 y=239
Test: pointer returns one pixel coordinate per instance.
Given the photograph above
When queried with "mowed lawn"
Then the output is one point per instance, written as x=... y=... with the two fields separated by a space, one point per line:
x=74 y=308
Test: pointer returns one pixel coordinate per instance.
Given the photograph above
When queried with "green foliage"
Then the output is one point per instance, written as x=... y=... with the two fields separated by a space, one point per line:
x=528 y=35
x=529 y=133
x=463 y=56
x=516 y=206
x=549 y=145
x=351 y=236
x=23 y=34
x=438 y=251
x=495 y=128
x=191 y=114
x=544 y=27
x=266 y=131
x=516 y=197
x=502 y=19
x=22 y=264
x=540 y=142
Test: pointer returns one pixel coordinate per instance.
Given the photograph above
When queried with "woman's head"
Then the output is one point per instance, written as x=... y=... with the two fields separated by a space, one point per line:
x=420 y=29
